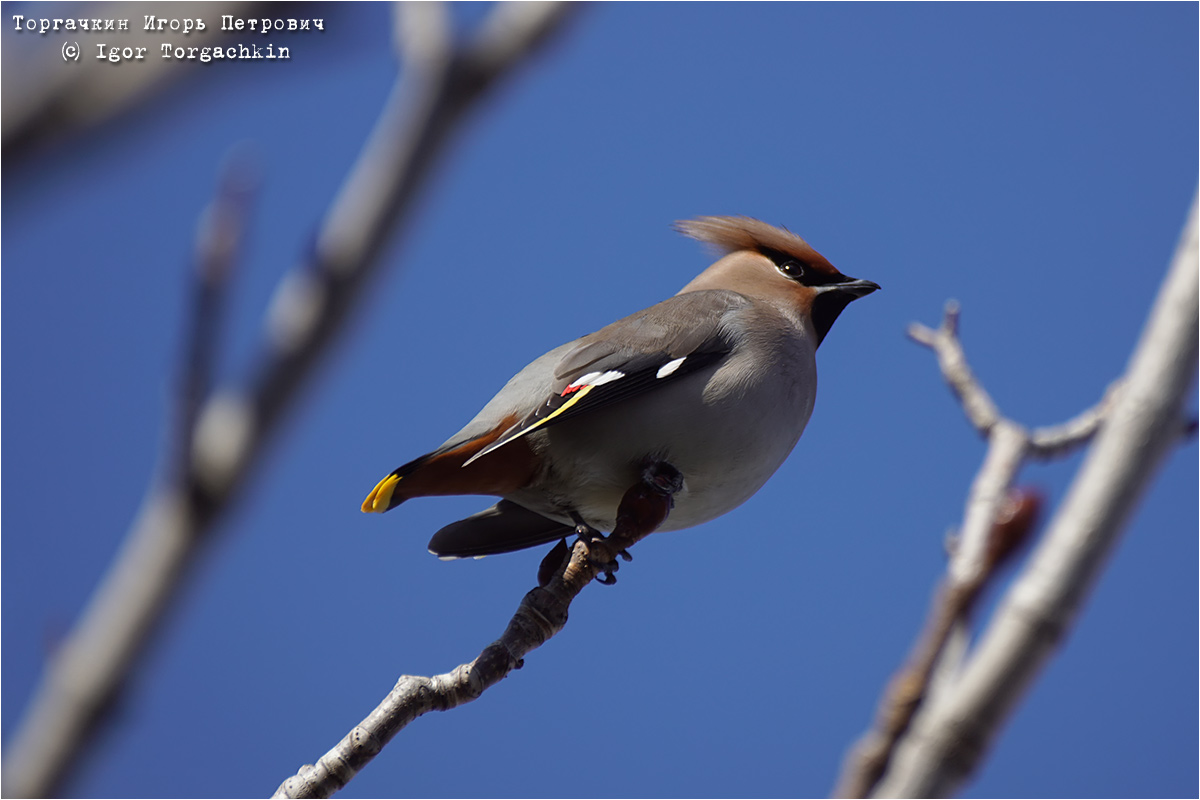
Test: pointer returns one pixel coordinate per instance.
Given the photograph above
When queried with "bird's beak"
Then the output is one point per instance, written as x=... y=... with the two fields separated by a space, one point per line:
x=853 y=286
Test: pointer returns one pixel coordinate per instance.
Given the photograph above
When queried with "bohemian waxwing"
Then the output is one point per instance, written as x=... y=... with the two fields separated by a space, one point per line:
x=718 y=381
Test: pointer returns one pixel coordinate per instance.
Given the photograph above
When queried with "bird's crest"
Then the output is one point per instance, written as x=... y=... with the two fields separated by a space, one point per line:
x=728 y=234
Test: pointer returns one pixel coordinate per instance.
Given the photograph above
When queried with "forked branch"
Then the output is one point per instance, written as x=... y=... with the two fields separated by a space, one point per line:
x=940 y=714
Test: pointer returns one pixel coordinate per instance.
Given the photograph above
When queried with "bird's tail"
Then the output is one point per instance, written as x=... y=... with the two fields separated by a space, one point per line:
x=502 y=528
x=442 y=472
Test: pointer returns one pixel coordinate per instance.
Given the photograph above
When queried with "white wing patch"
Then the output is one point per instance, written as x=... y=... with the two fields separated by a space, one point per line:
x=596 y=379
x=670 y=367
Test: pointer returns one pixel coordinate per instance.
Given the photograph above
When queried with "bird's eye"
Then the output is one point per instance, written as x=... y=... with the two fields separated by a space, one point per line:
x=792 y=268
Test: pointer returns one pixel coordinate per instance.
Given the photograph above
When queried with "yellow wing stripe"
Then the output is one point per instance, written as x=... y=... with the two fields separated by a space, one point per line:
x=379 y=498
x=575 y=398
x=578 y=395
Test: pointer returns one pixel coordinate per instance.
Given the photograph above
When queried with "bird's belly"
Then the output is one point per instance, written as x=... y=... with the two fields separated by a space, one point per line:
x=726 y=446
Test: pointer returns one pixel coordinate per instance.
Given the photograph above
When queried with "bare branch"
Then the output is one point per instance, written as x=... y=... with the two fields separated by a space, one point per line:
x=954 y=730
x=233 y=426
x=951 y=606
x=935 y=667
x=80 y=683
x=46 y=99
x=995 y=515
x=977 y=404
x=422 y=33
x=972 y=561
x=218 y=245
x=541 y=614
x=1007 y=447
x=1058 y=440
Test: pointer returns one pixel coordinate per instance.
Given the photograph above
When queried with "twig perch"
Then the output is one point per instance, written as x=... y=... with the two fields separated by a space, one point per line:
x=541 y=614
x=232 y=426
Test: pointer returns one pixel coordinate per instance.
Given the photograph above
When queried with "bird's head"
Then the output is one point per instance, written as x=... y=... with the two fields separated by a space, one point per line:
x=774 y=265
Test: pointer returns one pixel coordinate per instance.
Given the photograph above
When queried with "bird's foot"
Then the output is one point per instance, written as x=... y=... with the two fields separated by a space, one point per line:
x=608 y=569
x=642 y=509
x=591 y=536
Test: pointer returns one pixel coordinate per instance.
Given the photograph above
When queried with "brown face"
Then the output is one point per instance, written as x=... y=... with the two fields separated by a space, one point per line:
x=832 y=291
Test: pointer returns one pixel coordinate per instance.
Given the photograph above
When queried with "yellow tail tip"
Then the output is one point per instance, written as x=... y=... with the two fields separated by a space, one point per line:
x=380 y=498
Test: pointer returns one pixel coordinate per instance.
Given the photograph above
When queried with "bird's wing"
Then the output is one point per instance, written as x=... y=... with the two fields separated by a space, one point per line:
x=631 y=356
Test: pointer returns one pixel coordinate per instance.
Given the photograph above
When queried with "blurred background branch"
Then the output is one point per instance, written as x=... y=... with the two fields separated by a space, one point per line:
x=47 y=100
x=232 y=426
x=931 y=735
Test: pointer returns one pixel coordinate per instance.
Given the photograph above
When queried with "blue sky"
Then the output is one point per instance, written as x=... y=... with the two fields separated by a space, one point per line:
x=1034 y=161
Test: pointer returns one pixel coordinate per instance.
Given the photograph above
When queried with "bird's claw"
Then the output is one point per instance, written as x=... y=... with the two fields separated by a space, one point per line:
x=606 y=578
x=607 y=569
x=590 y=536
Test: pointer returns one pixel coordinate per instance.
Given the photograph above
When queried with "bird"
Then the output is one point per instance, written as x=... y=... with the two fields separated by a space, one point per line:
x=718 y=381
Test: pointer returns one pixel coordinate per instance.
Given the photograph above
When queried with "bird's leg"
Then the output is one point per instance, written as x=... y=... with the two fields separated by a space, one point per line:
x=643 y=508
x=664 y=479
